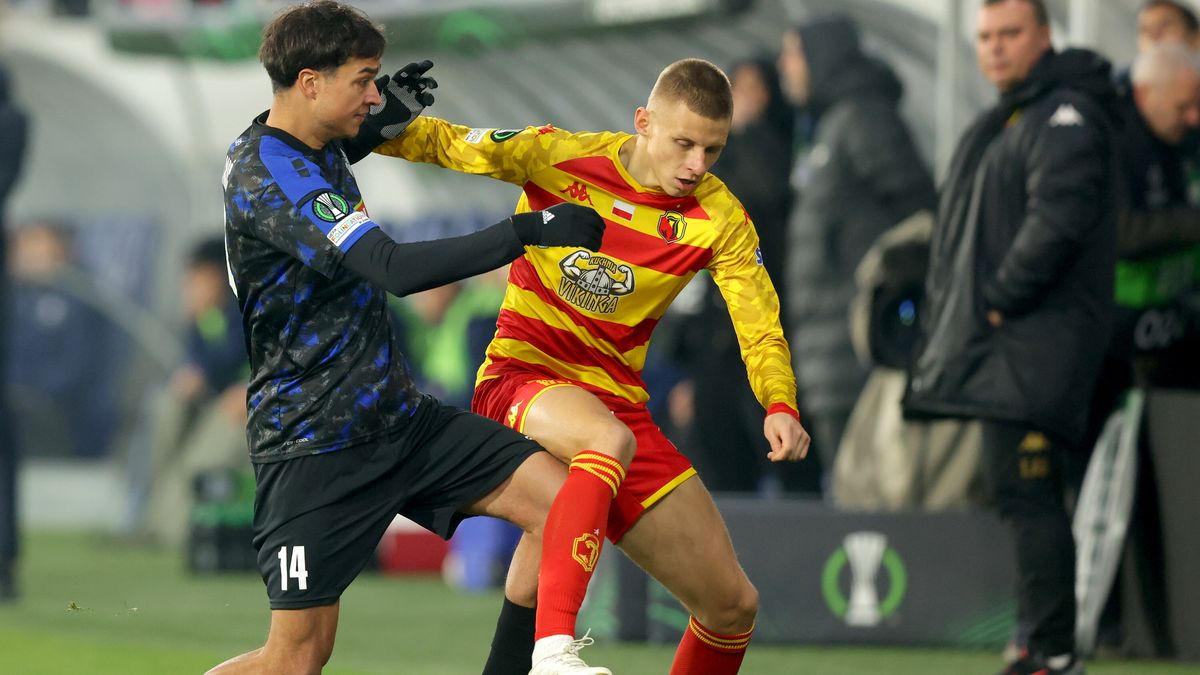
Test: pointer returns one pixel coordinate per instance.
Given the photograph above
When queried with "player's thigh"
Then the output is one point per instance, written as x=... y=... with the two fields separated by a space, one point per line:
x=683 y=543
x=524 y=498
x=567 y=419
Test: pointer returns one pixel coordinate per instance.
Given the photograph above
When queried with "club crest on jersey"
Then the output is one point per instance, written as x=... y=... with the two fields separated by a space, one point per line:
x=586 y=551
x=594 y=283
x=671 y=226
x=331 y=207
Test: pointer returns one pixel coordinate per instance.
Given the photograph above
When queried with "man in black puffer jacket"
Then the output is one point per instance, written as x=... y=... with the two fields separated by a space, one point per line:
x=1019 y=296
x=860 y=176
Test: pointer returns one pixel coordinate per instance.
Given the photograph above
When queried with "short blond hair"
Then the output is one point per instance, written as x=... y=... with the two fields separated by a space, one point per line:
x=701 y=85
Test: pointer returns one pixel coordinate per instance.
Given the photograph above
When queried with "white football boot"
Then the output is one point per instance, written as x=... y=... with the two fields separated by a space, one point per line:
x=559 y=655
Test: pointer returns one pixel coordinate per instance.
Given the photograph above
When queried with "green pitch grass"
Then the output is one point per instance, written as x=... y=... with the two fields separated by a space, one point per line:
x=94 y=607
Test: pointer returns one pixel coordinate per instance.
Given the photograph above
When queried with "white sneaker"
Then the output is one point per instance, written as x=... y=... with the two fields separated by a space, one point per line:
x=559 y=655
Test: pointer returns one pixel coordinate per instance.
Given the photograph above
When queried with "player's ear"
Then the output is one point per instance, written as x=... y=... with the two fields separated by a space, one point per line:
x=306 y=80
x=641 y=121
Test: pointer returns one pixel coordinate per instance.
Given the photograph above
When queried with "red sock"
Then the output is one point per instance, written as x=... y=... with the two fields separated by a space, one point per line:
x=572 y=539
x=703 y=652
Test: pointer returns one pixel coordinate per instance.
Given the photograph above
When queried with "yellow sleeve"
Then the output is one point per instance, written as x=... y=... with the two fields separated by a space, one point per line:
x=511 y=155
x=754 y=308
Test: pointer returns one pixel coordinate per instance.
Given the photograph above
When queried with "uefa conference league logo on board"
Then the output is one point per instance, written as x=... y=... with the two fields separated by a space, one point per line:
x=866 y=554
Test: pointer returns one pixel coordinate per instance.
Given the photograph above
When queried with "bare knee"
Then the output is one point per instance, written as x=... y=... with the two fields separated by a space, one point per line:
x=311 y=657
x=305 y=658
x=730 y=612
x=300 y=642
x=615 y=440
x=295 y=658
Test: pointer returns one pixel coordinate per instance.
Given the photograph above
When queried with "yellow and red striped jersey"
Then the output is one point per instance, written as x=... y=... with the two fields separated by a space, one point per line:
x=587 y=316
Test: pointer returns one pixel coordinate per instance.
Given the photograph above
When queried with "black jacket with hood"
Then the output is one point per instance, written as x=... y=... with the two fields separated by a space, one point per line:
x=1026 y=226
x=861 y=176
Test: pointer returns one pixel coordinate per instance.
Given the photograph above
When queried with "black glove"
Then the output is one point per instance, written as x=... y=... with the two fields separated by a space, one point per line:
x=565 y=224
x=404 y=95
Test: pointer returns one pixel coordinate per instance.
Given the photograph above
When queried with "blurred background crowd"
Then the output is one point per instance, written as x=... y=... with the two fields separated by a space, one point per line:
x=124 y=365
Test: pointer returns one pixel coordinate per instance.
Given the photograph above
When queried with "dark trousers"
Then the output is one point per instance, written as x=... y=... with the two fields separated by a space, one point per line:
x=8 y=448
x=1025 y=473
x=726 y=442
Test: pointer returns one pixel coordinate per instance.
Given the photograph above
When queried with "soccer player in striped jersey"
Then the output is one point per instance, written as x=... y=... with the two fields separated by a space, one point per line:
x=565 y=364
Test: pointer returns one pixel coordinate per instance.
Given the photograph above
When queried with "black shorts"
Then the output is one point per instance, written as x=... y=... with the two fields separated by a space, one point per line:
x=319 y=518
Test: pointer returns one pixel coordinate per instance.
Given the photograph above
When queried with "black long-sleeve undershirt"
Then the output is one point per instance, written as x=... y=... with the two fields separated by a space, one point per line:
x=402 y=269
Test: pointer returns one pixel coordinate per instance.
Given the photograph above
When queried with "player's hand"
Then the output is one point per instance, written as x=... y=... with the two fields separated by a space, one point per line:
x=789 y=441
x=565 y=224
x=405 y=94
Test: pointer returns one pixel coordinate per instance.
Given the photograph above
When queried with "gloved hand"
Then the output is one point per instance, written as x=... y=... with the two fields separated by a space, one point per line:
x=404 y=95
x=565 y=224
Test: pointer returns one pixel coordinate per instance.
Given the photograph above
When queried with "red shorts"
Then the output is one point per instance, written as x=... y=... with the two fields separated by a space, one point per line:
x=657 y=467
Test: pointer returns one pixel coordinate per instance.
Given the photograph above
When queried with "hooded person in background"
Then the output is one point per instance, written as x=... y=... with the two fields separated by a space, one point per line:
x=13 y=133
x=861 y=175
x=1019 y=297
x=723 y=436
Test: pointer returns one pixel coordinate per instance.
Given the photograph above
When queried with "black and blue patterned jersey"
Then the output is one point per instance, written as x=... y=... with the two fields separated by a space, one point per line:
x=326 y=372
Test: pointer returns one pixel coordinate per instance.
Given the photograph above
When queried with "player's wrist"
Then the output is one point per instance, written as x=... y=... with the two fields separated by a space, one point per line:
x=783 y=408
x=528 y=226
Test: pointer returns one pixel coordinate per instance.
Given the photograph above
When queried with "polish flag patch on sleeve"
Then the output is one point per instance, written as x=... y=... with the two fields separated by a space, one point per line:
x=623 y=210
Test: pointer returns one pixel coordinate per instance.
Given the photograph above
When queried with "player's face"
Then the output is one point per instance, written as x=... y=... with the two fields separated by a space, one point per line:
x=1009 y=41
x=344 y=95
x=681 y=145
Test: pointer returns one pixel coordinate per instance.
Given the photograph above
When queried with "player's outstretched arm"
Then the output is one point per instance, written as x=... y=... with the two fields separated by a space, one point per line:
x=405 y=94
x=402 y=269
x=789 y=441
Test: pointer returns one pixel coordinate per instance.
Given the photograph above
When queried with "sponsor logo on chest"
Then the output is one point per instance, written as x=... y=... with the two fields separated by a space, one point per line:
x=593 y=282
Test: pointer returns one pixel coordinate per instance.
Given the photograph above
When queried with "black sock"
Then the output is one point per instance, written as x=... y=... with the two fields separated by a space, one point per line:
x=512 y=645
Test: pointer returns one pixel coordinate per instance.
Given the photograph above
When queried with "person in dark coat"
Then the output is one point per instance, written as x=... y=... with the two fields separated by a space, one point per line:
x=1159 y=229
x=13 y=133
x=724 y=439
x=1019 y=296
x=860 y=176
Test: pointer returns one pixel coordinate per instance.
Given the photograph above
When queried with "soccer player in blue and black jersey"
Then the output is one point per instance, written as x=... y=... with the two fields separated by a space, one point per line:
x=340 y=439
